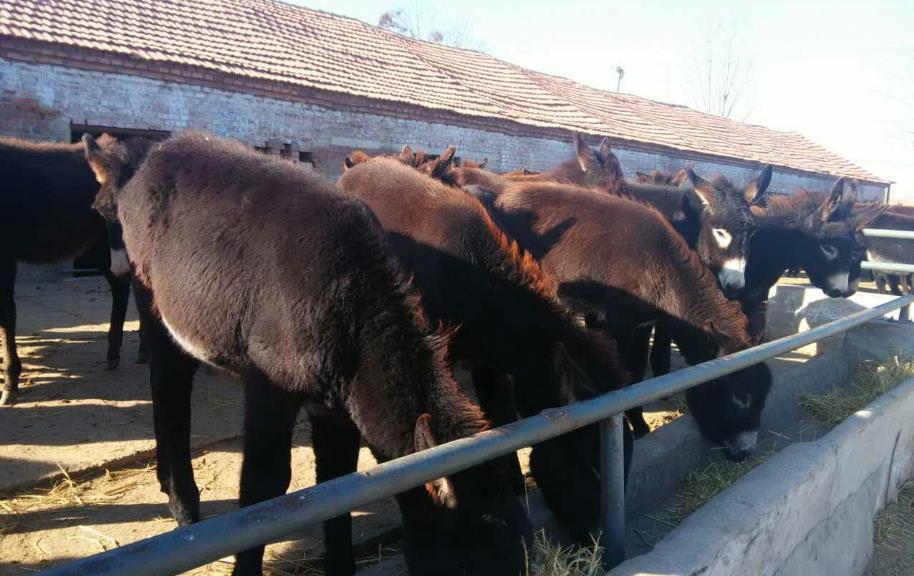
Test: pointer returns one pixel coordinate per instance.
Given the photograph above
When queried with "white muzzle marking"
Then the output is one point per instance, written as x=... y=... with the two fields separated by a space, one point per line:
x=743 y=443
x=735 y=265
x=839 y=281
x=120 y=265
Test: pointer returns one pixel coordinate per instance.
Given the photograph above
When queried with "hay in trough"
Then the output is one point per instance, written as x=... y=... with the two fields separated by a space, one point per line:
x=870 y=381
x=706 y=483
x=549 y=558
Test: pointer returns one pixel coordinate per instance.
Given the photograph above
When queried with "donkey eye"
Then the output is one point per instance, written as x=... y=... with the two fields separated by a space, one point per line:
x=829 y=251
x=722 y=237
x=741 y=401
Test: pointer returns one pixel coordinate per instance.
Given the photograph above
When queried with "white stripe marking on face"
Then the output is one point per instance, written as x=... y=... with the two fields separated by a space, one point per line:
x=120 y=265
x=736 y=265
x=722 y=237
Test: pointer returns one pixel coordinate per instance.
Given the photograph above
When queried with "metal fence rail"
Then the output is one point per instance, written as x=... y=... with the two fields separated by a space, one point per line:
x=191 y=546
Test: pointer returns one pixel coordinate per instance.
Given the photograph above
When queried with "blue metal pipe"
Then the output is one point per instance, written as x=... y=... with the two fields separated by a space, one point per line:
x=612 y=490
x=887 y=267
x=885 y=233
x=191 y=546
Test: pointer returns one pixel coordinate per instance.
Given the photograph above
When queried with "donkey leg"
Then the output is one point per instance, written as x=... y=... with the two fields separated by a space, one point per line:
x=12 y=366
x=496 y=398
x=269 y=419
x=120 y=294
x=335 y=440
x=661 y=350
x=636 y=355
x=171 y=375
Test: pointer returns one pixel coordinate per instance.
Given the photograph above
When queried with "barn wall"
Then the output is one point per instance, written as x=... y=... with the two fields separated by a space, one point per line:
x=40 y=101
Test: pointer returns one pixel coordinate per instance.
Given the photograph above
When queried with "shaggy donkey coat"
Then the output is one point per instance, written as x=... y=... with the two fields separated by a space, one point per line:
x=46 y=216
x=817 y=232
x=584 y=238
x=258 y=267
x=505 y=313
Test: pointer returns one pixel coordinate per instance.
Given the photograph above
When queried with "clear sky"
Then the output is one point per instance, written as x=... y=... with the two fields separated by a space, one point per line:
x=841 y=73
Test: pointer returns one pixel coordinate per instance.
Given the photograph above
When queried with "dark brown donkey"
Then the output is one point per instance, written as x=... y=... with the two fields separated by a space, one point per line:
x=817 y=232
x=713 y=217
x=46 y=216
x=505 y=314
x=621 y=264
x=256 y=266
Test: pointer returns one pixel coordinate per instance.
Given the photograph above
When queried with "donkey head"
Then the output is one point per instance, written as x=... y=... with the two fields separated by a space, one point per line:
x=725 y=223
x=468 y=523
x=598 y=168
x=729 y=410
x=831 y=249
x=114 y=162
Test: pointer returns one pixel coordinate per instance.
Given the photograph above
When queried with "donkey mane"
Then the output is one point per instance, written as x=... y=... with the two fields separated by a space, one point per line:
x=790 y=210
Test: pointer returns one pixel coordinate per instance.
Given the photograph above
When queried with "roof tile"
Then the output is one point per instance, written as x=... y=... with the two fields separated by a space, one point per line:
x=269 y=41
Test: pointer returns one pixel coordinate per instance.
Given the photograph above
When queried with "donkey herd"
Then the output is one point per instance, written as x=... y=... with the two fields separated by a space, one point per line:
x=356 y=300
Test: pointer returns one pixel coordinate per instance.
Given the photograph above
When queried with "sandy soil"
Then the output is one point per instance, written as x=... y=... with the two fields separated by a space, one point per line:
x=76 y=469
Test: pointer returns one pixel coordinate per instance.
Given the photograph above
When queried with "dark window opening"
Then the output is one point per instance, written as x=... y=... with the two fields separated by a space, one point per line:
x=290 y=151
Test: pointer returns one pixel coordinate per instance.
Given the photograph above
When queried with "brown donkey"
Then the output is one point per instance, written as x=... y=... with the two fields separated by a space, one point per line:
x=46 y=216
x=621 y=264
x=256 y=266
x=506 y=318
x=714 y=218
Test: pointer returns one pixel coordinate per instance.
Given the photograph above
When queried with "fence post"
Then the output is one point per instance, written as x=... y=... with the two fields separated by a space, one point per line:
x=612 y=490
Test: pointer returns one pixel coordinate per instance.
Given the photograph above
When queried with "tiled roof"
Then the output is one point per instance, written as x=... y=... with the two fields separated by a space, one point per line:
x=272 y=42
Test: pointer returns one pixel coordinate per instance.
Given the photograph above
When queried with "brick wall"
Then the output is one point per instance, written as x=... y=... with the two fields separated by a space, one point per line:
x=41 y=101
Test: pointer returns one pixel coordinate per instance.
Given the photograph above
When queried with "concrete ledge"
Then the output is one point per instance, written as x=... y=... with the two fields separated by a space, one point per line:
x=808 y=510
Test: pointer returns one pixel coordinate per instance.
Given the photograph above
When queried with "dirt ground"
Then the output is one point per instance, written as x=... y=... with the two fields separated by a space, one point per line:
x=76 y=469
x=77 y=473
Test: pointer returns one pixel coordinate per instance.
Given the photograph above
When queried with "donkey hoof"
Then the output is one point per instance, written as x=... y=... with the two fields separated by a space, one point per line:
x=112 y=363
x=8 y=397
x=142 y=358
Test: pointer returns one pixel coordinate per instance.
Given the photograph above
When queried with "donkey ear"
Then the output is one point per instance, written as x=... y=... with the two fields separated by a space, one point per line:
x=406 y=155
x=441 y=490
x=442 y=164
x=482 y=164
x=756 y=188
x=863 y=218
x=96 y=157
x=832 y=204
x=605 y=150
x=642 y=178
x=704 y=190
x=586 y=158
x=356 y=157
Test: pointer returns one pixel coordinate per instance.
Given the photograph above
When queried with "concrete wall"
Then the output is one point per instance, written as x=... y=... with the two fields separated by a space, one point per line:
x=809 y=509
x=41 y=101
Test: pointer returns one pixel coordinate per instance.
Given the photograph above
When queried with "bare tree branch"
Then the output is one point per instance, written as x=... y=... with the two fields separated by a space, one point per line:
x=721 y=76
x=414 y=20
